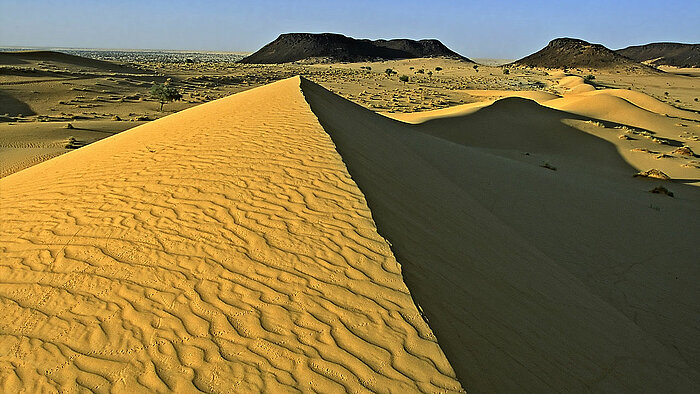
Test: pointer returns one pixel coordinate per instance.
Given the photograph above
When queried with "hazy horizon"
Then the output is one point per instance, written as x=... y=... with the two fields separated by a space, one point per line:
x=504 y=30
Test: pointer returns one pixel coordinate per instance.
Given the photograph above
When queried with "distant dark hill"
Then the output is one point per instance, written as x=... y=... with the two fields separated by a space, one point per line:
x=572 y=52
x=331 y=47
x=665 y=53
x=29 y=57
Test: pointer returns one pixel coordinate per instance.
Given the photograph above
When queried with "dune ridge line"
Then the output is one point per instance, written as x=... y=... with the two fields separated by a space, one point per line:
x=221 y=248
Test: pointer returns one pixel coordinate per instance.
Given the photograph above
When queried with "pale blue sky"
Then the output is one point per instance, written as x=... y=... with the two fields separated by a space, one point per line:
x=497 y=29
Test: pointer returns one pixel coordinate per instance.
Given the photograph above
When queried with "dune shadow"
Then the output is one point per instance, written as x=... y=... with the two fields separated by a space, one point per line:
x=10 y=59
x=514 y=264
x=517 y=113
x=12 y=106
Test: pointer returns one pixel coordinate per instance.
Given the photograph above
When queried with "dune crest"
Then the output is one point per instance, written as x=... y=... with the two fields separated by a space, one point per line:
x=223 y=248
x=540 y=262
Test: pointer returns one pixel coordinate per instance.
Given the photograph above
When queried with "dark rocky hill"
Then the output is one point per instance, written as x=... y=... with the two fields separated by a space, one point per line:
x=572 y=52
x=665 y=53
x=331 y=47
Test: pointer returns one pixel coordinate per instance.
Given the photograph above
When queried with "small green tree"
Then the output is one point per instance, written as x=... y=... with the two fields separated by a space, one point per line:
x=506 y=71
x=589 y=77
x=404 y=79
x=165 y=93
x=388 y=72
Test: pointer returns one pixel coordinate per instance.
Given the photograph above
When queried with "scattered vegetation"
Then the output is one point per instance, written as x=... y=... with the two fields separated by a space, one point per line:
x=404 y=79
x=165 y=93
x=438 y=68
x=589 y=78
x=684 y=151
x=661 y=190
x=652 y=173
x=73 y=143
x=506 y=71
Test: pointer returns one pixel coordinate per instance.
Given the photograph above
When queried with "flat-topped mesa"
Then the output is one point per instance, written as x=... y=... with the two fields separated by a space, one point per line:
x=331 y=47
x=572 y=52
x=664 y=54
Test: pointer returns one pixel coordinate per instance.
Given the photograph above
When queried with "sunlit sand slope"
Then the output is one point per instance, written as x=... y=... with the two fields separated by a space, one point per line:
x=541 y=263
x=224 y=249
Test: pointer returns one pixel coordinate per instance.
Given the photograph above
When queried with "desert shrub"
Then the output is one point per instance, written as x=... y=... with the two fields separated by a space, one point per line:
x=420 y=71
x=661 y=190
x=506 y=71
x=165 y=93
x=430 y=73
x=403 y=78
x=388 y=72
x=438 y=68
x=589 y=77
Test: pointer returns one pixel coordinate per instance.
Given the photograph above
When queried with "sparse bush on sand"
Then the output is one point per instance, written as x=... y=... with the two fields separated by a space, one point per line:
x=506 y=71
x=438 y=68
x=165 y=93
x=661 y=190
x=652 y=173
x=589 y=77
x=403 y=78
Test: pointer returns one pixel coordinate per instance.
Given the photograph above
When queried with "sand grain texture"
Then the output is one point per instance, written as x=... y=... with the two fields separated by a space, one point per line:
x=532 y=279
x=221 y=249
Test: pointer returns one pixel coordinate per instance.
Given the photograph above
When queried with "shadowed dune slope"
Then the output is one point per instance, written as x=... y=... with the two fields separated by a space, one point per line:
x=24 y=57
x=224 y=248
x=532 y=279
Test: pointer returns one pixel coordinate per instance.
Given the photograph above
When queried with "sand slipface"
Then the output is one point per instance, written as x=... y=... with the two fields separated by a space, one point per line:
x=222 y=249
x=541 y=263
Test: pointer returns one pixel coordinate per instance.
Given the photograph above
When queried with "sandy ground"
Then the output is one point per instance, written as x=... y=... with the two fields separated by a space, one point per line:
x=224 y=248
x=40 y=95
x=469 y=229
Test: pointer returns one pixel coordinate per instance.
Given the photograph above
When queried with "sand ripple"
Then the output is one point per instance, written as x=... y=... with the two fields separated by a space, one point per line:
x=221 y=249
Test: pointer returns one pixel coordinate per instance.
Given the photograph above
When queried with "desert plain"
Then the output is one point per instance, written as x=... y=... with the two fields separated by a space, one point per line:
x=328 y=227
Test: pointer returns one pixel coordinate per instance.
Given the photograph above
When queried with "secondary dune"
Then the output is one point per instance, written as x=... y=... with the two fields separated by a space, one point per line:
x=23 y=57
x=221 y=249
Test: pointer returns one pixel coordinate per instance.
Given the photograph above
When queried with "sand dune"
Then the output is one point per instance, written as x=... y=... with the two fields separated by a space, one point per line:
x=233 y=246
x=224 y=248
x=21 y=57
x=546 y=280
